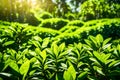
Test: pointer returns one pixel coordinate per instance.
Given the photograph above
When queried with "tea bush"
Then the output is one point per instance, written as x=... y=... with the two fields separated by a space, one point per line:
x=46 y=15
x=106 y=27
x=54 y=23
x=76 y=23
x=69 y=29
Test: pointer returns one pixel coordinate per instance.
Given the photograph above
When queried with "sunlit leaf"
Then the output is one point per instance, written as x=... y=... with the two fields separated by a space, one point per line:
x=99 y=38
x=82 y=76
x=106 y=46
x=68 y=76
x=5 y=74
x=55 y=49
x=25 y=67
x=8 y=43
x=114 y=63
x=14 y=66
x=106 y=41
x=62 y=47
x=71 y=72
x=99 y=70
x=45 y=42
x=43 y=54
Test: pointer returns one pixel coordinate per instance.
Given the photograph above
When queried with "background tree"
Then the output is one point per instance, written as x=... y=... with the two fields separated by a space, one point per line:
x=95 y=9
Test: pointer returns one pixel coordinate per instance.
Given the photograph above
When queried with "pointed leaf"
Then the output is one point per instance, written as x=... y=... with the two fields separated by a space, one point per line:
x=72 y=71
x=106 y=41
x=93 y=39
x=67 y=76
x=8 y=43
x=82 y=76
x=25 y=67
x=89 y=43
x=55 y=49
x=62 y=47
x=45 y=42
x=14 y=66
x=114 y=63
x=99 y=37
x=5 y=74
x=43 y=54
x=106 y=46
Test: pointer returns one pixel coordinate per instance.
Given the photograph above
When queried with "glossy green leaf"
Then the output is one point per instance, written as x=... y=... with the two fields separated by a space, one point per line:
x=43 y=54
x=5 y=74
x=114 y=63
x=62 y=47
x=106 y=41
x=45 y=42
x=99 y=38
x=71 y=72
x=68 y=76
x=93 y=39
x=106 y=46
x=38 y=51
x=14 y=66
x=99 y=70
x=8 y=43
x=82 y=76
x=55 y=49
x=88 y=42
x=37 y=38
x=25 y=67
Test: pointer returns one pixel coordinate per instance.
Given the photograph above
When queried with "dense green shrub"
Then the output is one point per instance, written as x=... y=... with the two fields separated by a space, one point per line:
x=54 y=23
x=45 y=15
x=68 y=38
x=5 y=23
x=13 y=36
x=19 y=36
x=42 y=32
x=76 y=23
x=108 y=28
x=69 y=29
x=70 y=16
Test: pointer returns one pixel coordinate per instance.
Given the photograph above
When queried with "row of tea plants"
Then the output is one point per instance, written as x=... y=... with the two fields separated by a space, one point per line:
x=77 y=51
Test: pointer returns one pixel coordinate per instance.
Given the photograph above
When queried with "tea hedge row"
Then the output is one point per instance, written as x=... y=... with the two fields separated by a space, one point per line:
x=106 y=27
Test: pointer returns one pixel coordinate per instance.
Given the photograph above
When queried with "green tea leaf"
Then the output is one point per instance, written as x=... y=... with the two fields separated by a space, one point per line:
x=55 y=49
x=106 y=41
x=5 y=74
x=99 y=38
x=45 y=42
x=106 y=46
x=38 y=51
x=94 y=41
x=88 y=42
x=68 y=76
x=25 y=67
x=71 y=71
x=62 y=47
x=8 y=43
x=82 y=76
x=14 y=66
x=43 y=54
x=99 y=70
x=114 y=63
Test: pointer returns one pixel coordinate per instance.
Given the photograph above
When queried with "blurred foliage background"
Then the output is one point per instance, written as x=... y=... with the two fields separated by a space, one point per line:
x=31 y=11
